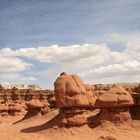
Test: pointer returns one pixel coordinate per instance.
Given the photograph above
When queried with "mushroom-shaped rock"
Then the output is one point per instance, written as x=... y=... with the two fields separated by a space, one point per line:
x=34 y=104
x=116 y=96
x=114 y=105
x=74 y=99
x=70 y=91
x=34 y=107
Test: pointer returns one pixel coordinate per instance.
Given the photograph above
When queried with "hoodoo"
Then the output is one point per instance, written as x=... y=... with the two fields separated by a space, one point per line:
x=114 y=105
x=73 y=98
x=34 y=109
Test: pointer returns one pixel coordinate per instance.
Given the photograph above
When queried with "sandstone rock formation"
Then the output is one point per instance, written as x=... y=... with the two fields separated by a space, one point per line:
x=33 y=109
x=114 y=105
x=15 y=109
x=15 y=98
x=70 y=91
x=90 y=94
x=3 y=110
x=77 y=101
x=73 y=97
x=116 y=96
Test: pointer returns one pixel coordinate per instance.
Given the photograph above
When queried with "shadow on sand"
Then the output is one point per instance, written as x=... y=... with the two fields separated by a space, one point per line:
x=91 y=121
x=30 y=114
x=50 y=124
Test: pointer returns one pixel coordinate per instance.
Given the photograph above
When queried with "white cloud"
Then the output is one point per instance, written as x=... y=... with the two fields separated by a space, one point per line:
x=6 y=52
x=10 y=66
x=94 y=62
x=87 y=54
x=128 y=68
x=11 y=63
x=122 y=38
x=74 y=56
x=66 y=54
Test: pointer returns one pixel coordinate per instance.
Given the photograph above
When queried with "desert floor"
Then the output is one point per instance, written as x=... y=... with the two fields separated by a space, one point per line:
x=45 y=128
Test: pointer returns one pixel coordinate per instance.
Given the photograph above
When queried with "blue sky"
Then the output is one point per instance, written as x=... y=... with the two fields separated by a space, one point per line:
x=111 y=26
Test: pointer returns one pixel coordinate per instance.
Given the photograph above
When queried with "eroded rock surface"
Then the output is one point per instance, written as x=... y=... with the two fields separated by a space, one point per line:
x=114 y=105
x=73 y=97
x=12 y=101
x=70 y=91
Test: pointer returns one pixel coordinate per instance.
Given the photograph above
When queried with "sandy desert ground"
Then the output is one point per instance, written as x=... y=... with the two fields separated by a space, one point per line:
x=45 y=128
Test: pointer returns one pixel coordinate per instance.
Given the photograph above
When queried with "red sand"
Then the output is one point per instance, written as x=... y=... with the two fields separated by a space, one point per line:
x=45 y=128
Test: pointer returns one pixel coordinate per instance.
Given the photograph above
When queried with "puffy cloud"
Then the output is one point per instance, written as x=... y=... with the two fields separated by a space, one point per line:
x=122 y=38
x=128 y=68
x=87 y=54
x=11 y=63
x=94 y=62
x=6 y=52
x=66 y=54
x=10 y=66
x=76 y=56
